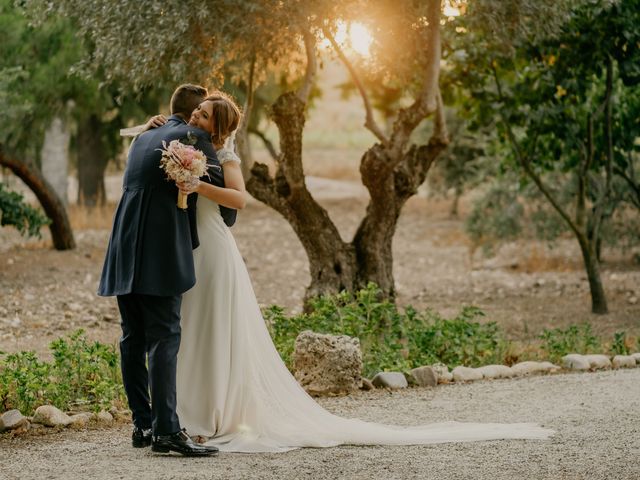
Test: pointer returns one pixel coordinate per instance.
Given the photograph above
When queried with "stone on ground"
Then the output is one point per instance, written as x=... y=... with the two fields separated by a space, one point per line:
x=466 y=374
x=624 y=361
x=525 y=368
x=495 y=371
x=636 y=357
x=120 y=415
x=50 y=416
x=598 y=362
x=80 y=420
x=393 y=380
x=443 y=373
x=549 y=367
x=575 y=361
x=327 y=364
x=12 y=420
x=367 y=385
x=425 y=376
x=104 y=417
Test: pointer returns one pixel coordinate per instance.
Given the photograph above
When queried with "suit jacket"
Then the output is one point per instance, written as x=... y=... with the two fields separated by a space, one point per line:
x=150 y=248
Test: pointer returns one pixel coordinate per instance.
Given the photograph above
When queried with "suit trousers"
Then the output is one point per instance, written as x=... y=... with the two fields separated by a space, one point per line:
x=151 y=331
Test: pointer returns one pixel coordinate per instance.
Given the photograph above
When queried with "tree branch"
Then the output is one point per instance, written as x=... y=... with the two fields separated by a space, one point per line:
x=312 y=67
x=525 y=163
x=60 y=227
x=635 y=187
x=267 y=143
x=370 y=122
x=582 y=175
x=440 y=133
x=427 y=101
x=599 y=208
x=243 y=135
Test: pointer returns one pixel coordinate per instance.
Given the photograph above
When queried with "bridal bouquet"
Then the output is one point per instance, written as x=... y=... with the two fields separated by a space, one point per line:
x=182 y=163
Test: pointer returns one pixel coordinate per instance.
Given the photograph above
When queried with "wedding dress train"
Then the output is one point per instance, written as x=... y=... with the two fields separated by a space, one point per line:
x=234 y=387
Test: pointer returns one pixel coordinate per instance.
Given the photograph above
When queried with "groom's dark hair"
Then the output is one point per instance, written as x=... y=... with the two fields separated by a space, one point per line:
x=186 y=98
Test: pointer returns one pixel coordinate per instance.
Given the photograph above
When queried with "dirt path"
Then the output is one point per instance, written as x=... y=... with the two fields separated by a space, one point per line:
x=595 y=416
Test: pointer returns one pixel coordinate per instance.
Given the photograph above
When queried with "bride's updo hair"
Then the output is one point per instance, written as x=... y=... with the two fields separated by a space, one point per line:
x=225 y=118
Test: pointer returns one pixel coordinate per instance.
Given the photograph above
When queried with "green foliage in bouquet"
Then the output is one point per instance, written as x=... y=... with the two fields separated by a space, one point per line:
x=391 y=338
x=16 y=213
x=82 y=375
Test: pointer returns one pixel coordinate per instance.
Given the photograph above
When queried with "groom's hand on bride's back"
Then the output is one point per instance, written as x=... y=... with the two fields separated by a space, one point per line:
x=155 y=122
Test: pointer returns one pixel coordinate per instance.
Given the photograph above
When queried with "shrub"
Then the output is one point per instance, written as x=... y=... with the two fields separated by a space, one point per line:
x=574 y=339
x=82 y=373
x=16 y=213
x=391 y=338
x=619 y=345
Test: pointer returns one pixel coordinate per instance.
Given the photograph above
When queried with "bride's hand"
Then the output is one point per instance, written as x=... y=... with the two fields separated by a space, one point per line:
x=189 y=186
x=155 y=122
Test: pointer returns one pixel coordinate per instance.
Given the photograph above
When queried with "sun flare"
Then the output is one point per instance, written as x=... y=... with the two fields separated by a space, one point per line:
x=353 y=36
x=360 y=39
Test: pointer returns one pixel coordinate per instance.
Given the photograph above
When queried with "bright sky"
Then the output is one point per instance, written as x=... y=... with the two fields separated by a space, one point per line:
x=353 y=36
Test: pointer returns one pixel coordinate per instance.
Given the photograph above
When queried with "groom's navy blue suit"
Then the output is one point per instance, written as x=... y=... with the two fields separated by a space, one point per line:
x=148 y=266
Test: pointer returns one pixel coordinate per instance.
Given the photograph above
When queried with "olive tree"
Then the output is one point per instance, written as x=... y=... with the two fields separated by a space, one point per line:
x=147 y=42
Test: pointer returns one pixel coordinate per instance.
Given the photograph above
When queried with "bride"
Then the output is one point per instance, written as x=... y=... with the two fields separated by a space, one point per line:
x=233 y=389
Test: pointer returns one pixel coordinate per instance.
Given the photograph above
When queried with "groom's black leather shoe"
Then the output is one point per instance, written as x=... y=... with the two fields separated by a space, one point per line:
x=141 y=437
x=181 y=443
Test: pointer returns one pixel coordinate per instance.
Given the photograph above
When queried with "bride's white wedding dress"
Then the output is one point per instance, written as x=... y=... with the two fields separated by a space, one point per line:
x=232 y=385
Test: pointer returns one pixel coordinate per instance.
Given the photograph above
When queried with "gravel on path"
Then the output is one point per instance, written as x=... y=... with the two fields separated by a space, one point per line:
x=595 y=415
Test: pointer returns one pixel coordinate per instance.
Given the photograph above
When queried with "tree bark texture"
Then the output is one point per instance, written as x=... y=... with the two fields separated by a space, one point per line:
x=55 y=157
x=92 y=163
x=331 y=260
x=336 y=265
x=60 y=227
x=592 y=266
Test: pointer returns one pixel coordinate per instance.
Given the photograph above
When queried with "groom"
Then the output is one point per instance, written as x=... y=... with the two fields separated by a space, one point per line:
x=148 y=266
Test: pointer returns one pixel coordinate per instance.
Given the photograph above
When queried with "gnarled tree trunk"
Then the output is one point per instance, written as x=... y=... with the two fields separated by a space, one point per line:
x=331 y=260
x=392 y=170
x=60 y=228
x=92 y=163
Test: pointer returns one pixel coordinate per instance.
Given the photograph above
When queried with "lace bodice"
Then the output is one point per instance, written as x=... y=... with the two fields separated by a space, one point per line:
x=227 y=155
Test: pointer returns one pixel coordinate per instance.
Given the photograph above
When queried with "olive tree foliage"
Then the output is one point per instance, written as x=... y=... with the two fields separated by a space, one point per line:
x=145 y=42
x=565 y=105
x=30 y=64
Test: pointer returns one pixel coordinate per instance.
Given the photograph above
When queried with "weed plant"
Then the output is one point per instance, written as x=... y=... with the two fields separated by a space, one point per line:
x=391 y=338
x=558 y=342
x=83 y=375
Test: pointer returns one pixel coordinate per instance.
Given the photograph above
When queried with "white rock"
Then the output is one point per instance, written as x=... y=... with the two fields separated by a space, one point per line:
x=443 y=373
x=636 y=357
x=598 y=362
x=527 y=368
x=50 y=416
x=393 y=380
x=104 y=417
x=80 y=420
x=575 y=361
x=12 y=420
x=466 y=374
x=425 y=376
x=549 y=367
x=495 y=371
x=624 y=361
x=327 y=364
